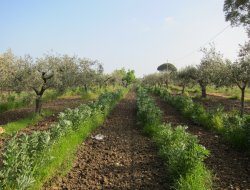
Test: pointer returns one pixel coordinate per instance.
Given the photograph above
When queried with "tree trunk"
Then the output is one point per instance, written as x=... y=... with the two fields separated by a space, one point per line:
x=100 y=85
x=203 y=91
x=183 y=89
x=242 y=101
x=166 y=84
x=86 y=88
x=38 y=104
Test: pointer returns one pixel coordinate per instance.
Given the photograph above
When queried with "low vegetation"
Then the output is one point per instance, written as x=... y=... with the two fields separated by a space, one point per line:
x=231 y=126
x=29 y=160
x=180 y=150
x=13 y=127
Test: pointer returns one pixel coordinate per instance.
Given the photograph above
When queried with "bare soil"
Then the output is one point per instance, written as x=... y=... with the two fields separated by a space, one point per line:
x=231 y=169
x=56 y=106
x=215 y=101
x=124 y=159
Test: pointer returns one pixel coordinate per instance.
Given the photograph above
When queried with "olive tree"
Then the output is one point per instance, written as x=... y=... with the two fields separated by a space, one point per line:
x=117 y=77
x=185 y=77
x=155 y=79
x=38 y=75
x=168 y=70
x=67 y=71
x=238 y=13
x=43 y=76
x=89 y=72
x=129 y=78
x=240 y=72
x=7 y=70
x=207 y=71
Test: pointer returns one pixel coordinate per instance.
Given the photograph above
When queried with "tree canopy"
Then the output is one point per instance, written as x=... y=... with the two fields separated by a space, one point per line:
x=238 y=13
x=167 y=67
x=130 y=77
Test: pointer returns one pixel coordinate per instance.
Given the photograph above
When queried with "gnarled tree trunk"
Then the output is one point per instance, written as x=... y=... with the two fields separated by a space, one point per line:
x=38 y=104
x=39 y=93
x=203 y=90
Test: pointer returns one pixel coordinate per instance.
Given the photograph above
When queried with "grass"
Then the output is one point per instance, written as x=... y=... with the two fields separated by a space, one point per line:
x=33 y=118
x=15 y=100
x=62 y=152
x=12 y=127
x=181 y=152
x=30 y=160
x=233 y=128
x=233 y=93
x=227 y=92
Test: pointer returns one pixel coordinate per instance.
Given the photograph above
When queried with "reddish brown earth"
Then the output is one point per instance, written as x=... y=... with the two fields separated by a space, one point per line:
x=124 y=159
x=215 y=101
x=231 y=169
x=56 y=106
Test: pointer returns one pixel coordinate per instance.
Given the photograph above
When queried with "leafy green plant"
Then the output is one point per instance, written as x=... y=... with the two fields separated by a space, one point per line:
x=25 y=155
x=231 y=126
x=183 y=156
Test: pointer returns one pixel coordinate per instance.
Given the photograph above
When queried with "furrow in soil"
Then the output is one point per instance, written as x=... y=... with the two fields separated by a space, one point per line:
x=231 y=169
x=124 y=159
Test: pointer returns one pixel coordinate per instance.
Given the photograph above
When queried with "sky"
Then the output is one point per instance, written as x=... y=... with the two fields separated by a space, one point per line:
x=135 y=34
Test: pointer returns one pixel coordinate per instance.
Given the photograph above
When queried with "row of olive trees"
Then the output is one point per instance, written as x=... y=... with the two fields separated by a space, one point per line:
x=55 y=71
x=49 y=71
x=212 y=70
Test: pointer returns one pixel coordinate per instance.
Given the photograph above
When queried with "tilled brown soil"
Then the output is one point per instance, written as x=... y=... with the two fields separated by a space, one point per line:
x=216 y=101
x=231 y=169
x=56 y=106
x=124 y=159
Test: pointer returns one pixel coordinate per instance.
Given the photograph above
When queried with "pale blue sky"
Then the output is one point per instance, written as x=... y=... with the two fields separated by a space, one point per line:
x=135 y=34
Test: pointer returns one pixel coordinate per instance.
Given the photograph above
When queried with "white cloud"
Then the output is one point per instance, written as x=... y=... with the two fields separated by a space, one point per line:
x=169 y=20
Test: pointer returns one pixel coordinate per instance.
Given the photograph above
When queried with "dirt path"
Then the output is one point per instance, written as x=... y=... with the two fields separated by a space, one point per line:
x=56 y=106
x=124 y=159
x=231 y=169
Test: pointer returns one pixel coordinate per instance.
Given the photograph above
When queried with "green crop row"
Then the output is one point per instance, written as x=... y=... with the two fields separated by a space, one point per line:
x=180 y=150
x=28 y=160
x=234 y=129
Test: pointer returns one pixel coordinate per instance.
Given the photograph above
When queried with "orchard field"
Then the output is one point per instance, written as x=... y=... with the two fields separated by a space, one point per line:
x=66 y=124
